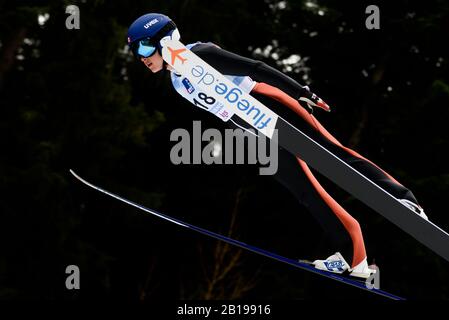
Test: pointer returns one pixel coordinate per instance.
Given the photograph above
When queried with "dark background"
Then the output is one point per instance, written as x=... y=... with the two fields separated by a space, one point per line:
x=77 y=99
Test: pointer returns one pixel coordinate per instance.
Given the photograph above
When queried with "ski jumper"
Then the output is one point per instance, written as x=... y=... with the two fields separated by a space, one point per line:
x=272 y=87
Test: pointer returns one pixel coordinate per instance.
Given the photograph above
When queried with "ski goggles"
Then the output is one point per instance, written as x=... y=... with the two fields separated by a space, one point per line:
x=143 y=48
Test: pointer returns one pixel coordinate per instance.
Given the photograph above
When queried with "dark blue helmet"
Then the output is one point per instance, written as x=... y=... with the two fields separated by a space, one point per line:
x=151 y=27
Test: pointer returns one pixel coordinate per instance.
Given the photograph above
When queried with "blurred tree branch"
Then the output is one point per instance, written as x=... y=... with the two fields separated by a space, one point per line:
x=225 y=273
x=8 y=52
x=146 y=290
x=370 y=99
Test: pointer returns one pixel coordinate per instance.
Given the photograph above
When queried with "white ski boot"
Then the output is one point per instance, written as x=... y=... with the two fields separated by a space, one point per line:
x=414 y=207
x=335 y=263
x=362 y=270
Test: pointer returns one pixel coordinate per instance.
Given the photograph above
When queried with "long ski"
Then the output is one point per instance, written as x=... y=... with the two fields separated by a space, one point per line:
x=298 y=264
x=250 y=110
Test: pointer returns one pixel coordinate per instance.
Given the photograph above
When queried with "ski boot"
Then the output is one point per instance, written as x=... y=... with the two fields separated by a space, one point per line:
x=362 y=270
x=414 y=207
x=335 y=263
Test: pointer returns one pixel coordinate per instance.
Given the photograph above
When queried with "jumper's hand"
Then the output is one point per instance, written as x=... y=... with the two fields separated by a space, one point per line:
x=312 y=100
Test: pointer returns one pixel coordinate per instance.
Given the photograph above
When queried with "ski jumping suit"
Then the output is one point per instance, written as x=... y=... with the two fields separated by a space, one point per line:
x=272 y=87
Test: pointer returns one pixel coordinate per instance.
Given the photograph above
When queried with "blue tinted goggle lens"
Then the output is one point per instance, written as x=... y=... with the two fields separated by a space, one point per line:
x=145 y=48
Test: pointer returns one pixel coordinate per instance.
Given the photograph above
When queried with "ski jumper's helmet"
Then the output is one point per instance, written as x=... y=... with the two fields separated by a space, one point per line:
x=145 y=33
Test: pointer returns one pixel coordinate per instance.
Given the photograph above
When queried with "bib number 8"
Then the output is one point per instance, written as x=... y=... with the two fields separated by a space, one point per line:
x=208 y=100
